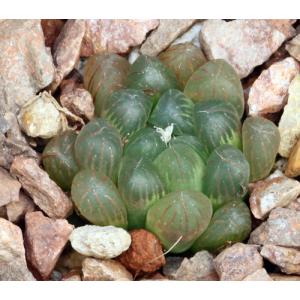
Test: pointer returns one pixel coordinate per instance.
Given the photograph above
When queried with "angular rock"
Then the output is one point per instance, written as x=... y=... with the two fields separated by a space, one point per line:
x=200 y=267
x=295 y=205
x=237 y=262
x=145 y=253
x=46 y=194
x=245 y=44
x=293 y=47
x=51 y=30
x=284 y=26
x=282 y=229
x=4 y=126
x=259 y=275
x=78 y=101
x=45 y=241
x=72 y=276
x=269 y=91
x=190 y=36
x=165 y=34
x=9 y=188
x=14 y=131
x=287 y=259
x=271 y=193
x=171 y=266
x=12 y=253
x=114 y=35
x=25 y=63
x=289 y=124
x=293 y=164
x=11 y=147
x=104 y=270
x=16 y=210
x=100 y=241
x=281 y=277
x=66 y=50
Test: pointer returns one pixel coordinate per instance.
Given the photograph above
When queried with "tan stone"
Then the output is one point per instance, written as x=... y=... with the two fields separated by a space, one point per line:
x=72 y=276
x=245 y=44
x=9 y=188
x=293 y=47
x=281 y=277
x=295 y=205
x=12 y=253
x=259 y=275
x=16 y=210
x=51 y=30
x=79 y=101
x=25 y=63
x=45 y=241
x=167 y=31
x=66 y=50
x=145 y=253
x=200 y=267
x=282 y=229
x=272 y=193
x=293 y=165
x=269 y=91
x=237 y=262
x=287 y=259
x=45 y=192
x=289 y=124
x=115 y=35
x=104 y=270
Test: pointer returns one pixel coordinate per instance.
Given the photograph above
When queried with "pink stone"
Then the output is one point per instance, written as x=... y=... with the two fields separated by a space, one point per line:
x=259 y=275
x=45 y=241
x=268 y=93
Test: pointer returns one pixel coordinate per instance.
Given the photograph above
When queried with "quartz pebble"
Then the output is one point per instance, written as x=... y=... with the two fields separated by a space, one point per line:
x=78 y=101
x=269 y=91
x=259 y=275
x=237 y=262
x=26 y=65
x=145 y=253
x=12 y=253
x=289 y=124
x=293 y=47
x=287 y=259
x=245 y=44
x=45 y=241
x=281 y=277
x=197 y=268
x=100 y=241
x=164 y=35
x=104 y=270
x=190 y=36
x=271 y=193
x=45 y=193
x=115 y=36
x=16 y=210
x=9 y=188
x=281 y=228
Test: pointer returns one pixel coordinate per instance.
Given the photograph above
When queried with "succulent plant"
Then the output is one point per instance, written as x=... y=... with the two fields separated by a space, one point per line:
x=150 y=75
x=183 y=60
x=231 y=223
x=261 y=140
x=174 y=107
x=128 y=110
x=98 y=147
x=140 y=186
x=216 y=80
x=179 y=218
x=97 y=199
x=59 y=160
x=146 y=143
x=180 y=168
x=193 y=142
x=104 y=74
x=217 y=123
x=227 y=176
